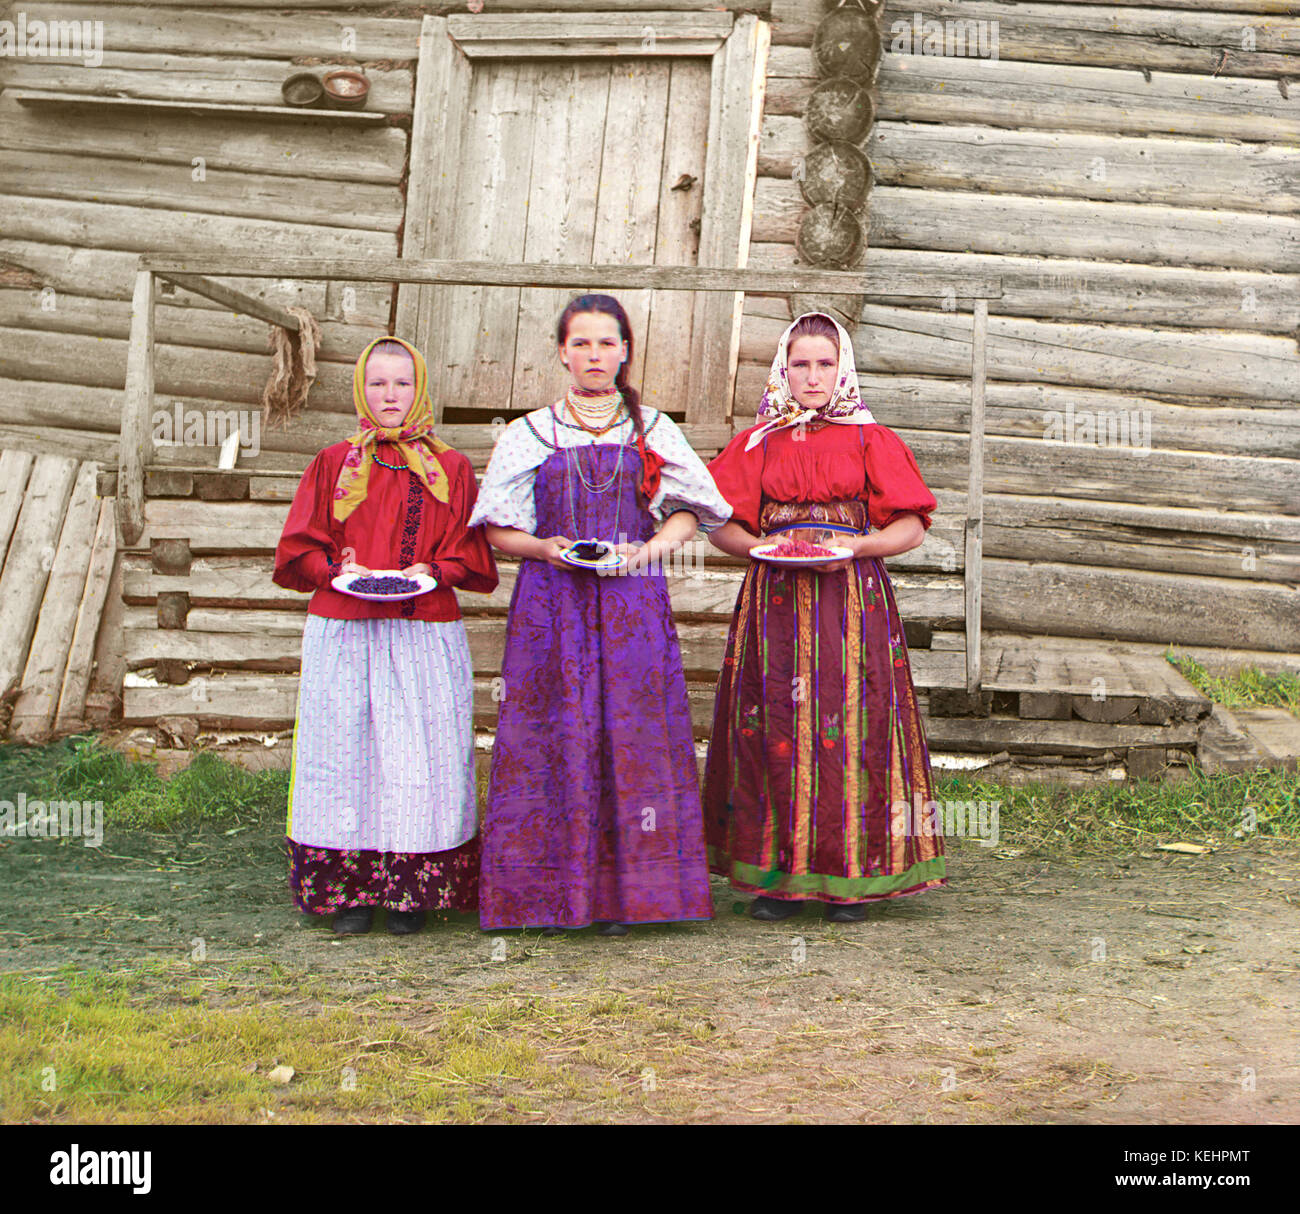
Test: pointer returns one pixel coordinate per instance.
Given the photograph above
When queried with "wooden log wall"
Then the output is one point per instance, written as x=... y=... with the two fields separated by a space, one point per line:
x=110 y=161
x=1133 y=176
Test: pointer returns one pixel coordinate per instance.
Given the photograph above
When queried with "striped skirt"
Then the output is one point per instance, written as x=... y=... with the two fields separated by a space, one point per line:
x=818 y=771
x=382 y=804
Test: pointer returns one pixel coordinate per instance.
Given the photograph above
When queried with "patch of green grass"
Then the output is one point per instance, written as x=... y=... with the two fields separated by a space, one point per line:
x=134 y=795
x=1058 y=820
x=1249 y=687
x=155 y=1043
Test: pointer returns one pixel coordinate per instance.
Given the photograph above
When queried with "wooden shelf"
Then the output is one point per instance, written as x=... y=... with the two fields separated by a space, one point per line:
x=41 y=97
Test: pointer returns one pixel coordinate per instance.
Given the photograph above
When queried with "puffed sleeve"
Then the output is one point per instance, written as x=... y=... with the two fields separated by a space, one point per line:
x=505 y=498
x=894 y=483
x=308 y=554
x=738 y=474
x=684 y=481
x=462 y=553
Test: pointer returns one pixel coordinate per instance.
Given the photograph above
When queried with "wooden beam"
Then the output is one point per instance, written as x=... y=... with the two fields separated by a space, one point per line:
x=517 y=35
x=975 y=498
x=135 y=449
x=237 y=301
x=522 y=274
x=257 y=113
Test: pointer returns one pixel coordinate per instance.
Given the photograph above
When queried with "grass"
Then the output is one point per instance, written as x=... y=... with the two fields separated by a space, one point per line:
x=1049 y=818
x=155 y=1042
x=1249 y=687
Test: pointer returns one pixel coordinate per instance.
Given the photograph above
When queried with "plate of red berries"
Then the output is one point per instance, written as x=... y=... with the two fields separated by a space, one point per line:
x=800 y=552
x=384 y=585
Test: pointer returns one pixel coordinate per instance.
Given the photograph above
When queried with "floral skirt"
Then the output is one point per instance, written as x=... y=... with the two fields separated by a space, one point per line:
x=324 y=879
x=818 y=769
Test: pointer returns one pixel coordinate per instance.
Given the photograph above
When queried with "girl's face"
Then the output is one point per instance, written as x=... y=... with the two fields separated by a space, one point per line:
x=812 y=365
x=390 y=387
x=593 y=351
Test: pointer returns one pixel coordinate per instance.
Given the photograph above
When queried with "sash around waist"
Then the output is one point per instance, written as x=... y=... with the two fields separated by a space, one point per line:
x=847 y=516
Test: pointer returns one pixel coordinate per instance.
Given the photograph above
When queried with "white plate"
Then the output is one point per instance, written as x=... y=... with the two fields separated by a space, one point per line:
x=764 y=553
x=422 y=580
x=612 y=560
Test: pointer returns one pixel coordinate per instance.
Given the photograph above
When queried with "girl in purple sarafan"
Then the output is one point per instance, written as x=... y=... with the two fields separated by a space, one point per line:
x=593 y=811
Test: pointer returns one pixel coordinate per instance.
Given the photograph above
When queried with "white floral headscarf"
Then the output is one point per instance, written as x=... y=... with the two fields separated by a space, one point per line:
x=844 y=408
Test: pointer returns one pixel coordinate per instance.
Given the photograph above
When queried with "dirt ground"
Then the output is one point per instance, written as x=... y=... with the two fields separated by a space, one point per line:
x=1148 y=988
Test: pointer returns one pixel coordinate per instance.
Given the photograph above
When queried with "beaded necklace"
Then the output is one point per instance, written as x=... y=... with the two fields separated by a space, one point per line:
x=394 y=467
x=572 y=460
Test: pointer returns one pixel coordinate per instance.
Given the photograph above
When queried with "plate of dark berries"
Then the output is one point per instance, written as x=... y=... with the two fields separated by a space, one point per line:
x=384 y=585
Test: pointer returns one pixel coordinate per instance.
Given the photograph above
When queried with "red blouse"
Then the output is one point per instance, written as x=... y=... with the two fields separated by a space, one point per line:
x=834 y=463
x=398 y=525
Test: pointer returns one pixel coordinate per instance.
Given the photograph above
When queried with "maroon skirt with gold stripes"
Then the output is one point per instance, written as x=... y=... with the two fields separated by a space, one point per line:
x=818 y=773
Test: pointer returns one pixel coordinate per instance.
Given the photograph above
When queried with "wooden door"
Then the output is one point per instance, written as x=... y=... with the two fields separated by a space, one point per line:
x=565 y=155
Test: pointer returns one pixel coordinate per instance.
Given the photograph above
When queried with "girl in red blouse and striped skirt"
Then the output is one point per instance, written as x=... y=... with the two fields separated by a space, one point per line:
x=818 y=773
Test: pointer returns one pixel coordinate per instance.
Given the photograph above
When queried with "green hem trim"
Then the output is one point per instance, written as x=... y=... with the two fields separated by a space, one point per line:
x=761 y=880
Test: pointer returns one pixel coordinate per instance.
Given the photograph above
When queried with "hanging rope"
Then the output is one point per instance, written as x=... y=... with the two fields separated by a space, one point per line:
x=293 y=368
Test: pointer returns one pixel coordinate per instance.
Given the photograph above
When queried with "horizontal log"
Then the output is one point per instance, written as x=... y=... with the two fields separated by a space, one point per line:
x=1059 y=288
x=1104 y=36
x=1090 y=601
x=954 y=90
x=286 y=149
x=345 y=204
x=75 y=444
x=176 y=325
x=197 y=78
x=966 y=222
x=197 y=31
x=1117 y=168
x=993 y=734
x=1086 y=355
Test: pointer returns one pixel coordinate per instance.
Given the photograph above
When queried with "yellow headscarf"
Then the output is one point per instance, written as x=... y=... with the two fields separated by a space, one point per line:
x=414 y=438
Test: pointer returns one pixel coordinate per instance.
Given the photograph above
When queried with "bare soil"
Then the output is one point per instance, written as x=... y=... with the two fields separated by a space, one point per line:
x=1142 y=988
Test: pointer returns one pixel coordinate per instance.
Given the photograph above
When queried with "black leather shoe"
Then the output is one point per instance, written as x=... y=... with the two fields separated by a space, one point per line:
x=405 y=923
x=846 y=912
x=773 y=910
x=353 y=920
x=612 y=929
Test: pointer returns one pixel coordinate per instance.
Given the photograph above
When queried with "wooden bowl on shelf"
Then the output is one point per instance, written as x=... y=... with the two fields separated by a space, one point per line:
x=303 y=91
x=346 y=90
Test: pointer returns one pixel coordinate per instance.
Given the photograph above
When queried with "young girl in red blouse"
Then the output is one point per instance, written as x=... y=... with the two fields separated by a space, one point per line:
x=818 y=755
x=382 y=805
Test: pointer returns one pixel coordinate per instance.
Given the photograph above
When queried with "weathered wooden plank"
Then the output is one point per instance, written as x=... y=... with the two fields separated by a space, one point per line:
x=47 y=660
x=76 y=444
x=731 y=157
x=1057 y=288
x=631 y=181
x=680 y=215
x=136 y=444
x=285 y=149
x=573 y=98
x=197 y=31
x=1052 y=227
x=514 y=35
x=1087 y=355
x=1059 y=164
x=213 y=526
x=206 y=79
x=15 y=468
x=992 y=734
x=90 y=609
x=345 y=204
x=232 y=700
x=527 y=6
x=476 y=345
x=955 y=90
x=974 y=548
x=30 y=558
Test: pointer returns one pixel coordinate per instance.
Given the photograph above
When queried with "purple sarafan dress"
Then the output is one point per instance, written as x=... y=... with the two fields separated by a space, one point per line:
x=593 y=809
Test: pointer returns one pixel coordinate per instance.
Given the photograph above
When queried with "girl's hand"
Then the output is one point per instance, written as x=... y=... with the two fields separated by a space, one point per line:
x=353 y=567
x=412 y=570
x=635 y=555
x=853 y=542
x=551 y=549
